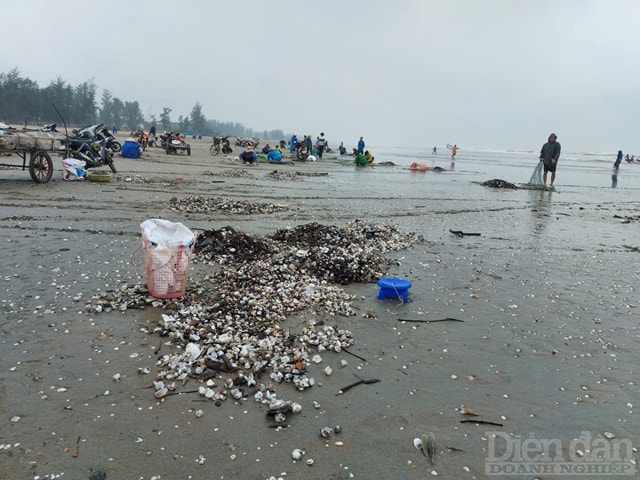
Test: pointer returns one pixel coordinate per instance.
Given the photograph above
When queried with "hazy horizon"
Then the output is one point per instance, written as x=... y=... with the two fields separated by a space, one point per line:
x=490 y=74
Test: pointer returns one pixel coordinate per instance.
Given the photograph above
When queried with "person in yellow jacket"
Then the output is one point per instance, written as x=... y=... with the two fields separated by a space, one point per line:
x=368 y=156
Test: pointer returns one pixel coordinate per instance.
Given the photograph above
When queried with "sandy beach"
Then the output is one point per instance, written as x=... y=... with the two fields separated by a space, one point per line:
x=546 y=347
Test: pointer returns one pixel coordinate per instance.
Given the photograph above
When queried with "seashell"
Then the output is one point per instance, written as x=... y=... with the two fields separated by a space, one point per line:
x=609 y=435
x=192 y=352
x=162 y=392
x=417 y=442
x=325 y=432
x=316 y=359
x=296 y=454
x=328 y=370
x=199 y=413
x=337 y=429
x=467 y=411
x=309 y=461
x=339 y=443
x=296 y=408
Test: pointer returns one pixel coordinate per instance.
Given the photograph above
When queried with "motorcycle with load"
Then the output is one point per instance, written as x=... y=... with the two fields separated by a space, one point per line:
x=245 y=142
x=93 y=152
x=174 y=142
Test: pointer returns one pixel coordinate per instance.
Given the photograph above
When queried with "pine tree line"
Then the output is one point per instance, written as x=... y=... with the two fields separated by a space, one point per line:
x=23 y=102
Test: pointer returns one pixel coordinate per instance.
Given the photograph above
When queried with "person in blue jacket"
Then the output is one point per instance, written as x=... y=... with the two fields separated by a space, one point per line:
x=292 y=143
x=361 y=145
x=618 y=160
x=274 y=155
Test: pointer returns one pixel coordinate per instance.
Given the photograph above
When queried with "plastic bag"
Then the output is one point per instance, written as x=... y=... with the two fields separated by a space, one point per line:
x=165 y=234
x=73 y=169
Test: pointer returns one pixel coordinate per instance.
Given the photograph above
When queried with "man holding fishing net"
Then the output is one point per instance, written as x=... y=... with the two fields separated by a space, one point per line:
x=549 y=155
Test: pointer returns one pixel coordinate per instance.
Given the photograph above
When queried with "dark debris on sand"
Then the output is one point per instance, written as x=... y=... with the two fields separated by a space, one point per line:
x=498 y=183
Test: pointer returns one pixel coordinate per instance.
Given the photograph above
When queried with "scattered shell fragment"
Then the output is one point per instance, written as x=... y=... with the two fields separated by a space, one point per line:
x=427 y=445
x=467 y=411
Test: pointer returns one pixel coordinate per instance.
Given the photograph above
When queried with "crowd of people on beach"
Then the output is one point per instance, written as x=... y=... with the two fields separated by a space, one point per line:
x=305 y=149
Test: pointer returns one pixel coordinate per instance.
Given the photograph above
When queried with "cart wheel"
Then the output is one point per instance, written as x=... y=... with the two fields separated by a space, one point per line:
x=41 y=166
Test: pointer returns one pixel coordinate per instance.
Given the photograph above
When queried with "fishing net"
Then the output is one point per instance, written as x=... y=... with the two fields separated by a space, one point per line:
x=536 y=177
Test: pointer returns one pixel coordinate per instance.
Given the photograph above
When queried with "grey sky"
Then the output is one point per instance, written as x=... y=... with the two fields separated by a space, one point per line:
x=479 y=73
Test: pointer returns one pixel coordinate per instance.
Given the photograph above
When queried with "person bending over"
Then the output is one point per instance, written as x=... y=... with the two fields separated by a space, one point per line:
x=249 y=156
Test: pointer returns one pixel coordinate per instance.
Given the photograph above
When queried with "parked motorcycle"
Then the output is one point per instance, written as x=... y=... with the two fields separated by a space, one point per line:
x=220 y=144
x=142 y=137
x=112 y=144
x=245 y=142
x=93 y=152
x=89 y=132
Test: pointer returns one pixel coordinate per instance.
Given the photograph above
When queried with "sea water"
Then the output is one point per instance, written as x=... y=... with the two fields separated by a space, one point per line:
x=575 y=169
x=429 y=202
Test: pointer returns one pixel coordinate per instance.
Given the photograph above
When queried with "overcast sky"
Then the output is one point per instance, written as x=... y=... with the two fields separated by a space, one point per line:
x=479 y=73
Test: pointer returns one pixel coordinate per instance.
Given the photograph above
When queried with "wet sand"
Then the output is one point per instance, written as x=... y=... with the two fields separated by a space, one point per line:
x=548 y=346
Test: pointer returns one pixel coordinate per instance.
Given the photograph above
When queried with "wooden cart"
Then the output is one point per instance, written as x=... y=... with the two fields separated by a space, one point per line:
x=35 y=145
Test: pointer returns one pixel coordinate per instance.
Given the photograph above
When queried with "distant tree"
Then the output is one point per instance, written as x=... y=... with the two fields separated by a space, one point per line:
x=133 y=118
x=197 y=119
x=60 y=94
x=117 y=106
x=19 y=98
x=184 y=124
x=106 y=111
x=84 y=103
x=165 y=119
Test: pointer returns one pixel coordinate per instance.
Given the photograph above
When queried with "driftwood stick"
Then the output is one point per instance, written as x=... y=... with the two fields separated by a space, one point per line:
x=355 y=384
x=460 y=233
x=354 y=354
x=483 y=422
x=447 y=319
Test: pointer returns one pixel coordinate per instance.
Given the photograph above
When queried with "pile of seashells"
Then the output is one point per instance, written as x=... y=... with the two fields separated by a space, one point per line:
x=236 y=173
x=206 y=204
x=231 y=321
x=280 y=175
